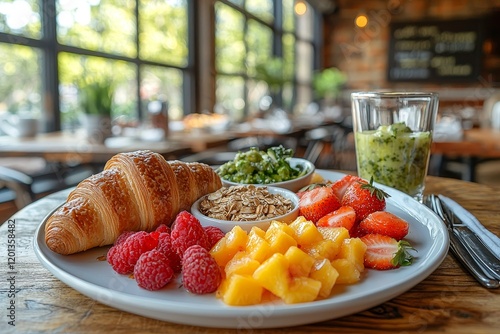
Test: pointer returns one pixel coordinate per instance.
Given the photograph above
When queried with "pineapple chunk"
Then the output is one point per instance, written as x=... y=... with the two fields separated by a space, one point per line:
x=299 y=262
x=301 y=290
x=257 y=247
x=273 y=275
x=240 y=290
x=354 y=250
x=233 y=242
x=305 y=232
x=324 y=272
x=348 y=273
x=241 y=264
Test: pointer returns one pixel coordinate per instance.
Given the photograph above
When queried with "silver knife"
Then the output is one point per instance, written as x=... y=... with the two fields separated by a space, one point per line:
x=458 y=248
x=473 y=243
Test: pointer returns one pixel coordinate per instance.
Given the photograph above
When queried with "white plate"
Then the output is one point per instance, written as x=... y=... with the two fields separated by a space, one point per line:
x=97 y=280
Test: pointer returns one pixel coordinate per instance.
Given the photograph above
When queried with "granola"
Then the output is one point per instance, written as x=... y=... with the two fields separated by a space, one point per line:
x=244 y=203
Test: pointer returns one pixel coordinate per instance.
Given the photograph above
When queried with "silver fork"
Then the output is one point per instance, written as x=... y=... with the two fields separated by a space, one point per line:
x=458 y=248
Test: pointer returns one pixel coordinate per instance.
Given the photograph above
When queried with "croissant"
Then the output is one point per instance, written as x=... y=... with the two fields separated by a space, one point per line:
x=135 y=191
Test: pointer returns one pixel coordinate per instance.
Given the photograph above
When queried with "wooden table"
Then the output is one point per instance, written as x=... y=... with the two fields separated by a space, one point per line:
x=477 y=144
x=449 y=300
x=74 y=148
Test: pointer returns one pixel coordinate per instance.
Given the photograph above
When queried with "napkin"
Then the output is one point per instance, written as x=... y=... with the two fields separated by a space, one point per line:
x=489 y=239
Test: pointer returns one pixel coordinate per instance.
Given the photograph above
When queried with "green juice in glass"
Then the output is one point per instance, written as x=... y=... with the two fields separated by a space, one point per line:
x=395 y=156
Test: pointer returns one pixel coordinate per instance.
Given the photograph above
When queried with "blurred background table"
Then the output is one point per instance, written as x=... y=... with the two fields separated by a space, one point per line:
x=449 y=300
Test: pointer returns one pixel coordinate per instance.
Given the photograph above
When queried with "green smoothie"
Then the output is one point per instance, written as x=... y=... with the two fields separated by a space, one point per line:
x=395 y=156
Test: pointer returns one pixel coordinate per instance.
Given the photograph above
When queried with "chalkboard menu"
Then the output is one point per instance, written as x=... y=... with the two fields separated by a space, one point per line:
x=435 y=51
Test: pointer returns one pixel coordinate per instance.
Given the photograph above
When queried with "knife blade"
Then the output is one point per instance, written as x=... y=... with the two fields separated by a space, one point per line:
x=472 y=242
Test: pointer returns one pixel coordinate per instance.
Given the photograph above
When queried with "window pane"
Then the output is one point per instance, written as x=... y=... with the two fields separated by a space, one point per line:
x=163 y=84
x=99 y=25
x=261 y=8
x=230 y=96
x=259 y=40
x=288 y=56
x=163 y=31
x=20 y=17
x=305 y=25
x=304 y=68
x=20 y=87
x=257 y=90
x=229 y=46
x=76 y=70
x=288 y=15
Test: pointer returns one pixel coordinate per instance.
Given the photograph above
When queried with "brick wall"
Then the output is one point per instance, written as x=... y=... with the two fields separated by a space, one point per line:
x=362 y=53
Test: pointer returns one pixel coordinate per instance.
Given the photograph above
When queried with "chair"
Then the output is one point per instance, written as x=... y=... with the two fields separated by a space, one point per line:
x=22 y=185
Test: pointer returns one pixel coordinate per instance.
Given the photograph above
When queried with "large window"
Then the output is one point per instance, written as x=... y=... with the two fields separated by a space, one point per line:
x=150 y=50
x=265 y=51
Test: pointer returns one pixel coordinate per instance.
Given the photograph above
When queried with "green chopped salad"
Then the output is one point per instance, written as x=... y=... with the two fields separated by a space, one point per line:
x=261 y=167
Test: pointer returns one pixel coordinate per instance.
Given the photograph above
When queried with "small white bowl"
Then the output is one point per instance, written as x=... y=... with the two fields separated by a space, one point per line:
x=227 y=225
x=293 y=185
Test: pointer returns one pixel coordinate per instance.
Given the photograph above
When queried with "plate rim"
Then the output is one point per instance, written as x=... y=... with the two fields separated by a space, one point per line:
x=181 y=311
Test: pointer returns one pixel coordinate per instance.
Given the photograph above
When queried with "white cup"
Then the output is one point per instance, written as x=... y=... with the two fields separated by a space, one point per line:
x=19 y=126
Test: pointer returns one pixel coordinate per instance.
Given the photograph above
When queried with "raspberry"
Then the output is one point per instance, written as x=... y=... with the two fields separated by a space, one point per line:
x=163 y=228
x=122 y=257
x=200 y=272
x=214 y=234
x=122 y=237
x=165 y=246
x=153 y=271
x=187 y=231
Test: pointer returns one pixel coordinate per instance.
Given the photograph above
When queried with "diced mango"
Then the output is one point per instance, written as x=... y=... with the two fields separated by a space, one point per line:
x=280 y=241
x=301 y=290
x=273 y=274
x=299 y=262
x=241 y=264
x=336 y=234
x=257 y=230
x=348 y=273
x=324 y=272
x=354 y=250
x=233 y=242
x=305 y=232
x=257 y=247
x=277 y=225
x=240 y=290
x=323 y=249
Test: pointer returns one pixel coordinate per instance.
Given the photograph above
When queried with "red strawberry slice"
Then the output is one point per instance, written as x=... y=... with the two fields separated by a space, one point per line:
x=364 y=198
x=383 y=252
x=317 y=202
x=386 y=223
x=345 y=216
x=340 y=186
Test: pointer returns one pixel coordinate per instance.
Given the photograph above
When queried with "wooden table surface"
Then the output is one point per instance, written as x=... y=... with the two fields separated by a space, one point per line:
x=449 y=300
x=477 y=142
x=74 y=147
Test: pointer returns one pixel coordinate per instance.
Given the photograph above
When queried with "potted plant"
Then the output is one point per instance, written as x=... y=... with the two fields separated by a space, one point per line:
x=96 y=100
x=327 y=84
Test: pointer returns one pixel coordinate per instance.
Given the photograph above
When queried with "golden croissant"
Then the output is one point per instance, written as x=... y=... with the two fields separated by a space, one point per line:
x=135 y=191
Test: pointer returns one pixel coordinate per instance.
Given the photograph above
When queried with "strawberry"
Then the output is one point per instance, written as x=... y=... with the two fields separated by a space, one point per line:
x=342 y=217
x=340 y=186
x=383 y=222
x=364 y=198
x=317 y=202
x=384 y=252
x=311 y=186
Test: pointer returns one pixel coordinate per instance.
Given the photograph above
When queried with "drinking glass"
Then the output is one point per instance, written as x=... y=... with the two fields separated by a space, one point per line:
x=393 y=136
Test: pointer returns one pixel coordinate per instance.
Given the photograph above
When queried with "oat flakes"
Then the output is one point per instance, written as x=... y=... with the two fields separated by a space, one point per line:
x=244 y=203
